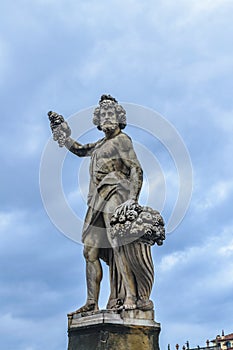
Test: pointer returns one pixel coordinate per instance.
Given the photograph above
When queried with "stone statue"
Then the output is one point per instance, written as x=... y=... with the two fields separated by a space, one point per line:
x=117 y=229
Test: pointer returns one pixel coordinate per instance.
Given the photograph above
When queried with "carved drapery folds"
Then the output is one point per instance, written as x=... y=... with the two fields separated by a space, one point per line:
x=134 y=232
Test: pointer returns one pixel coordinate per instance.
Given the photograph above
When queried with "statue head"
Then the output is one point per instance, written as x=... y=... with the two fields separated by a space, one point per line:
x=109 y=105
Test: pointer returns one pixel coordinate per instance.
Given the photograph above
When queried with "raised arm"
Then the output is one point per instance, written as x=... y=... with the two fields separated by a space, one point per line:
x=78 y=149
x=61 y=133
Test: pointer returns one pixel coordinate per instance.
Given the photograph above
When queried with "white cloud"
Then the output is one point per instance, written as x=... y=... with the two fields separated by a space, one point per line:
x=227 y=250
x=215 y=196
x=26 y=332
x=162 y=53
x=208 y=5
x=5 y=220
x=193 y=285
x=169 y=262
x=212 y=251
x=195 y=10
x=10 y=219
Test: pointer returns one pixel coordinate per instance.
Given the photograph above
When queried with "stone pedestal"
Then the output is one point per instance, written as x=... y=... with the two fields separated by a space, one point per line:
x=111 y=330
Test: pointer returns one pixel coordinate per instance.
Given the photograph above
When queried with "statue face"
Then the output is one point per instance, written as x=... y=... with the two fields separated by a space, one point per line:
x=108 y=120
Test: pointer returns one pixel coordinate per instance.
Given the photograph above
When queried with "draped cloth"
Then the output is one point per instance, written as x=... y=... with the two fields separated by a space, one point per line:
x=114 y=185
x=138 y=256
x=110 y=187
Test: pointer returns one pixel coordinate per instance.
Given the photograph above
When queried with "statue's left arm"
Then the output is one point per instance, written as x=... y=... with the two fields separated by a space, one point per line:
x=129 y=158
x=136 y=175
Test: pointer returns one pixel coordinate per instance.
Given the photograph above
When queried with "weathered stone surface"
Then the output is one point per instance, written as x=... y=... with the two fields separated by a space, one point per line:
x=109 y=330
x=117 y=229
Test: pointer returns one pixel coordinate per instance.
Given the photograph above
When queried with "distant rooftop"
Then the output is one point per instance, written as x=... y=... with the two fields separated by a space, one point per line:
x=223 y=337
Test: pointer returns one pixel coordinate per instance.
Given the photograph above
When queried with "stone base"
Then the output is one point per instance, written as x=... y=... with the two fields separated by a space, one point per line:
x=111 y=330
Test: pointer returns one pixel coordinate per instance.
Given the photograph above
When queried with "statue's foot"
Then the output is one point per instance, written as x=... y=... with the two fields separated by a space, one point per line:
x=129 y=304
x=114 y=304
x=89 y=306
x=145 y=305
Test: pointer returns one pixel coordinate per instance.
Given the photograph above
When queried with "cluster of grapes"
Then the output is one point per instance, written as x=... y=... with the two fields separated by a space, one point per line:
x=59 y=127
x=60 y=136
x=154 y=234
x=130 y=215
x=139 y=223
x=119 y=230
x=154 y=231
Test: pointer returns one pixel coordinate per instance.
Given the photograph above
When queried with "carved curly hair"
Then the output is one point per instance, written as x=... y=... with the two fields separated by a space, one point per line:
x=107 y=101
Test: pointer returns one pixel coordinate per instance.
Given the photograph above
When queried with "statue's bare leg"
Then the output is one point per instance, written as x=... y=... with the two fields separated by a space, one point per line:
x=93 y=279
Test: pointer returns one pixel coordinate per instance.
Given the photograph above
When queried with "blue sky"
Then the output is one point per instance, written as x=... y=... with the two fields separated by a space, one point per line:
x=173 y=57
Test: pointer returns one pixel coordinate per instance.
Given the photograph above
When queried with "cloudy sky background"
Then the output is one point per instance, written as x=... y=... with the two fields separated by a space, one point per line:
x=172 y=57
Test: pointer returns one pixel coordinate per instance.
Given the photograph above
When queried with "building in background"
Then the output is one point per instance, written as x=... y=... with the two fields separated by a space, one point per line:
x=223 y=342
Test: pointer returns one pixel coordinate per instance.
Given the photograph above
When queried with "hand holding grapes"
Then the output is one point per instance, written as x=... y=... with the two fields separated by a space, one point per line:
x=60 y=128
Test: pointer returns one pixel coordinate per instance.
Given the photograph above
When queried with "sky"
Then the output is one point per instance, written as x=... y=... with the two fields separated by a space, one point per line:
x=175 y=58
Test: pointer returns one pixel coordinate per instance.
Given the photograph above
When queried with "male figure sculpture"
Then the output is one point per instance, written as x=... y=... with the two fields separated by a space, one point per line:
x=115 y=184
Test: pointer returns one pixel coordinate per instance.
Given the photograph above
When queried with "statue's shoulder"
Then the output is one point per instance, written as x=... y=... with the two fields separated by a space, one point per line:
x=123 y=141
x=99 y=142
x=124 y=137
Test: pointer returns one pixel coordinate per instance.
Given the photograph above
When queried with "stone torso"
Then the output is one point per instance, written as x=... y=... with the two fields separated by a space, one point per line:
x=106 y=158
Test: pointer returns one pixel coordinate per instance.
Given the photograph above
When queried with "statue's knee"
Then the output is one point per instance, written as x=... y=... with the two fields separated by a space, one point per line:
x=86 y=252
x=90 y=254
